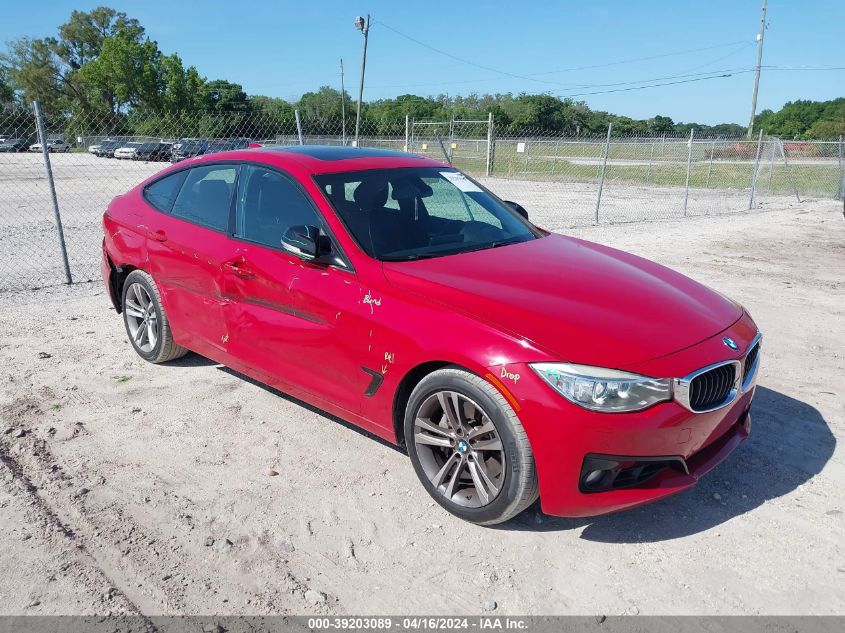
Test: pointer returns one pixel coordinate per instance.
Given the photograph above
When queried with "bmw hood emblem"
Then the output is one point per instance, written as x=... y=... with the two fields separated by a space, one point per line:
x=730 y=343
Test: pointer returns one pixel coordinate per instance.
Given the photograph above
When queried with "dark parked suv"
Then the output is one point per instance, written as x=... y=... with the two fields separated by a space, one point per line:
x=227 y=144
x=189 y=147
x=13 y=145
x=153 y=151
x=107 y=147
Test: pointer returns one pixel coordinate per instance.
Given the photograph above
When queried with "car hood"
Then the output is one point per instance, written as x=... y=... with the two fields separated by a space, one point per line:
x=581 y=301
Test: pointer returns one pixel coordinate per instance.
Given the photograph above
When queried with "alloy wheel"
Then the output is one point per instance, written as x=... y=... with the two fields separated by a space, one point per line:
x=459 y=449
x=141 y=318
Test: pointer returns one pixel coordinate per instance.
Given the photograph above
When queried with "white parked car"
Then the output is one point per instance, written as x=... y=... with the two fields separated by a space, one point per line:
x=53 y=145
x=94 y=149
x=127 y=151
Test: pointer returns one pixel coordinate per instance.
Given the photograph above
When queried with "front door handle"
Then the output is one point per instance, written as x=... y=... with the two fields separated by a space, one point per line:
x=238 y=267
x=158 y=236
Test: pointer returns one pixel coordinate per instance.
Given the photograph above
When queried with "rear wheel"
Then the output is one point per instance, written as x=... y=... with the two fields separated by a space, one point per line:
x=145 y=320
x=468 y=447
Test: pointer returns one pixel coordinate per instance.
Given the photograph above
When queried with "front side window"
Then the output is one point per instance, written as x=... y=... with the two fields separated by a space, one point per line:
x=414 y=213
x=206 y=196
x=269 y=204
x=162 y=193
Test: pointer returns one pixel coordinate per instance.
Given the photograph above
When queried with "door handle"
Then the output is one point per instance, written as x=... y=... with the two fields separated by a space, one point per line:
x=238 y=267
x=158 y=236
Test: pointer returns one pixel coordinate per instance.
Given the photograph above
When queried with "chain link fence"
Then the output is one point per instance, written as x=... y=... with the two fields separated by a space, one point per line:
x=563 y=181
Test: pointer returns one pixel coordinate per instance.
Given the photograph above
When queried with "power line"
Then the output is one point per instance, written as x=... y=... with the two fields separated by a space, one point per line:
x=532 y=76
x=650 y=57
x=460 y=59
x=668 y=83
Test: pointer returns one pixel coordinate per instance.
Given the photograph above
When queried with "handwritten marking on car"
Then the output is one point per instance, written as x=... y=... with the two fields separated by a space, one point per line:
x=371 y=301
x=509 y=375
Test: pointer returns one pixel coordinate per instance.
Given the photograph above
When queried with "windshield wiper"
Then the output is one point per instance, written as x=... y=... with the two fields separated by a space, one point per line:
x=505 y=242
x=409 y=258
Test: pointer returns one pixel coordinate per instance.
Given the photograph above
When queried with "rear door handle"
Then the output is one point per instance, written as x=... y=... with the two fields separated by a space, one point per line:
x=158 y=236
x=238 y=267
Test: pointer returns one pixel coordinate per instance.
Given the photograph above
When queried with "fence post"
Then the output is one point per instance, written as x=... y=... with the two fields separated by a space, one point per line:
x=841 y=171
x=299 y=128
x=527 y=151
x=771 y=168
x=786 y=169
x=407 y=132
x=489 y=169
x=710 y=166
x=756 y=169
x=689 y=165
x=451 y=137
x=42 y=138
x=650 y=161
x=603 y=168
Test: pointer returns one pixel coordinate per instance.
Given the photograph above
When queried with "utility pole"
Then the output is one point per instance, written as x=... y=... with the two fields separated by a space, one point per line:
x=757 y=70
x=364 y=26
x=342 y=104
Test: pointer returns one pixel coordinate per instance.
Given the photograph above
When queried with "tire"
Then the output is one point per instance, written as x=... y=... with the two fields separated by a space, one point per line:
x=146 y=323
x=488 y=481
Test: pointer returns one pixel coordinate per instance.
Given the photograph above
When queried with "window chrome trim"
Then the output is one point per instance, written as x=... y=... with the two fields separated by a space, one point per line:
x=681 y=386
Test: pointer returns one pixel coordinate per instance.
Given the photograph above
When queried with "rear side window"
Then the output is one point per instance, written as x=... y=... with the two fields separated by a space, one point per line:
x=162 y=193
x=206 y=196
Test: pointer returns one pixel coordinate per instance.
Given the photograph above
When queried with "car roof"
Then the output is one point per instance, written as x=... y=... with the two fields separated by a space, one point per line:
x=322 y=159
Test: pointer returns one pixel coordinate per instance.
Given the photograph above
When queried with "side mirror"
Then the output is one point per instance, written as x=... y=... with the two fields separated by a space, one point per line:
x=305 y=241
x=518 y=208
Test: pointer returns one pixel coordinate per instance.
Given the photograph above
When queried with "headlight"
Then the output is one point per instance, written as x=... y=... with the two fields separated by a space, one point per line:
x=607 y=390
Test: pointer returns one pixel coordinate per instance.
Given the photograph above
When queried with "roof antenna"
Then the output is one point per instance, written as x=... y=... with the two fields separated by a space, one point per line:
x=445 y=153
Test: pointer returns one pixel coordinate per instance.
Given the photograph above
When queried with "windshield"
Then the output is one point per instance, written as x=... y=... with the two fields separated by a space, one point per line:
x=415 y=213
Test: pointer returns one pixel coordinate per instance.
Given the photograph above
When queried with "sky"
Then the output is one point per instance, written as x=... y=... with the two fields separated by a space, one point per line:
x=591 y=51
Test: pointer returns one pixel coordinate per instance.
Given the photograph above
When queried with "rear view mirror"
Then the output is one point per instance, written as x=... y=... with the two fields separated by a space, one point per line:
x=518 y=208
x=306 y=241
x=301 y=240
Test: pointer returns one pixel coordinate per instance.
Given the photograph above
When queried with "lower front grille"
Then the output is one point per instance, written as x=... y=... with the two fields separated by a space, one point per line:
x=711 y=388
x=600 y=473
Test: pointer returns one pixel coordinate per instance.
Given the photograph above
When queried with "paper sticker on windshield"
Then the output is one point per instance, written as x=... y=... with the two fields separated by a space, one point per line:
x=460 y=181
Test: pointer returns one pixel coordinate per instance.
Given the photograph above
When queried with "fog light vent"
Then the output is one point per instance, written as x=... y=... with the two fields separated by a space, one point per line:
x=601 y=473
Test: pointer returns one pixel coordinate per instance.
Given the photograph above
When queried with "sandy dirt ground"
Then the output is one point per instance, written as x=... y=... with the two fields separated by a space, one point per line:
x=127 y=487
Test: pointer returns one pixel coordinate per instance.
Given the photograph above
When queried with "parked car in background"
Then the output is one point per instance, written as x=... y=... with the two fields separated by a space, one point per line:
x=395 y=292
x=188 y=148
x=106 y=148
x=13 y=145
x=53 y=145
x=153 y=151
x=227 y=144
x=96 y=147
x=127 y=150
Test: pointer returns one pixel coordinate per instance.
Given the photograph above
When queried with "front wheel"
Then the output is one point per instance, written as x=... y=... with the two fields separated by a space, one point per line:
x=145 y=320
x=468 y=447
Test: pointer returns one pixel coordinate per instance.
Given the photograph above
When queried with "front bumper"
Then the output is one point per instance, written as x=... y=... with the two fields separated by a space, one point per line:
x=564 y=436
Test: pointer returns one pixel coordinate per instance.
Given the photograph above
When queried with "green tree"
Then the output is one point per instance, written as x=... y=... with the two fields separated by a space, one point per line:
x=323 y=104
x=127 y=72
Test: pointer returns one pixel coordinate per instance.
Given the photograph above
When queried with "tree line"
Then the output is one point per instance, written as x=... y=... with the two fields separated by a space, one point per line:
x=101 y=70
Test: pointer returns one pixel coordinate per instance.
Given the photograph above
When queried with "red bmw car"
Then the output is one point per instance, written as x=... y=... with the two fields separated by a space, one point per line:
x=399 y=294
